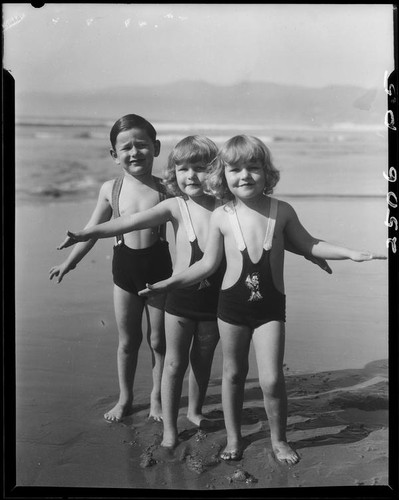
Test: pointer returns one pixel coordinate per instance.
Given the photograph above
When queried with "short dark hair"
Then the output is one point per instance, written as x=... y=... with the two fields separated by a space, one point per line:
x=128 y=122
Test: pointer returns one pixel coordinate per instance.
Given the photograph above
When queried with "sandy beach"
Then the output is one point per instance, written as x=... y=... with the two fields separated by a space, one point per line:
x=336 y=372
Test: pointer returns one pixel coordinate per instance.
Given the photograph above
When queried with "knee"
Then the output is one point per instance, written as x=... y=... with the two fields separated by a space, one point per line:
x=157 y=343
x=175 y=367
x=271 y=385
x=128 y=345
x=234 y=375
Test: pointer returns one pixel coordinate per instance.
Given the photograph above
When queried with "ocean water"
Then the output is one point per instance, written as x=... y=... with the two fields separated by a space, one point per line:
x=69 y=159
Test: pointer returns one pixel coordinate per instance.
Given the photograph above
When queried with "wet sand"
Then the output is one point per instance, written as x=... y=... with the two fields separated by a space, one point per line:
x=335 y=365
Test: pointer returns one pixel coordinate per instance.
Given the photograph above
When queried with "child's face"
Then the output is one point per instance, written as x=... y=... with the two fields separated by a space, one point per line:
x=246 y=180
x=191 y=178
x=135 y=151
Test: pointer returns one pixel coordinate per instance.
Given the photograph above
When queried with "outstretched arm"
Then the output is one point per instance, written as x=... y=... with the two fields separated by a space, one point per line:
x=320 y=249
x=101 y=213
x=152 y=217
x=322 y=263
x=210 y=261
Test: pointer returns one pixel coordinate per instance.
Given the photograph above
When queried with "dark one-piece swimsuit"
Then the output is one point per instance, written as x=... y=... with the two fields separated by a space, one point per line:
x=133 y=268
x=199 y=301
x=253 y=300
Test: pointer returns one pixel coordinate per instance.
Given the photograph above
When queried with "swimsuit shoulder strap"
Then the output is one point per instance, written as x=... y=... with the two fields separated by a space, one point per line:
x=116 y=189
x=271 y=224
x=163 y=194
x=235 y=225
x=186 y=219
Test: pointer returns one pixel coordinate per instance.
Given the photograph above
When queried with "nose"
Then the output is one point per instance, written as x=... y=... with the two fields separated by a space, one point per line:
x=133 y=151
x=245 y=174
x=191 y=173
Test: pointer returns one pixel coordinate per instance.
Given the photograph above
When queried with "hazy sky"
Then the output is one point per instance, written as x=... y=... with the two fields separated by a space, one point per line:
x=84 y=46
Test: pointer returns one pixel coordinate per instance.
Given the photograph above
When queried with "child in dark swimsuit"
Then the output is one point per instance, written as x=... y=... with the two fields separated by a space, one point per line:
x=250 y=231
x=137 y=256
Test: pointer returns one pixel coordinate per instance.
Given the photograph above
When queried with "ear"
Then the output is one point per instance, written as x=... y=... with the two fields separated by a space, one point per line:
x=157 y=148
x=114 y=156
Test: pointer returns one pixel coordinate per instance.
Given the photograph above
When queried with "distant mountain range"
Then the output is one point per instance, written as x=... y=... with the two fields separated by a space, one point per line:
x=200 y=102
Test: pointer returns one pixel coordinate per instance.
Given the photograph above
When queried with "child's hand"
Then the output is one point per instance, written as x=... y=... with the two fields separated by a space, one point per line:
x=71 y=239
x=361 y=256
x=319 y=262
x=153 y=290
x=59 y=271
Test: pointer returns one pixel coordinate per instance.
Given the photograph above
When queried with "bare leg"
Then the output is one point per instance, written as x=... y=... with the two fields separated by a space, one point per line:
x=156 y=341
x=201 y=356
x=179 y=333
x=235 y=346
x=128 y=313
x=269 y=341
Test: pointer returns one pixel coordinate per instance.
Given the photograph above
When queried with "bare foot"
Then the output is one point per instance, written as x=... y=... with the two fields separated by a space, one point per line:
x=118 y=412
x=155 y=409
x=156 y=418
x=202 y=422
x=169 y=440
x=285 y=454
x=232 y=452
x=196 y=419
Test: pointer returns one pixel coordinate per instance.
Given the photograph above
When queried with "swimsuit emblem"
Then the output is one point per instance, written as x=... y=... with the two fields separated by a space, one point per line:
x=204 y=284
x=252 y=282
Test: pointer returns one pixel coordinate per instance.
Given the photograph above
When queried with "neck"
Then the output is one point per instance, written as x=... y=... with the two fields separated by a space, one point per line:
x=139 y=179
x=204 y=200
x=253 y=203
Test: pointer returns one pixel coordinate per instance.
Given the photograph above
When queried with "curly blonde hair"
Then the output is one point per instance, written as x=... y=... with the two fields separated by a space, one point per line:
x=239 y=149
x=191 y=149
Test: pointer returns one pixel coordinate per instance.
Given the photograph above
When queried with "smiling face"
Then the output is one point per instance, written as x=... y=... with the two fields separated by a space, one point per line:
x=135 y=151
x=191 y=178
x=245 y=180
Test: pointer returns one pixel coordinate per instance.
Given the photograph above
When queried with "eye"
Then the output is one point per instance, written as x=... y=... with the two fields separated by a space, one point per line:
x=253 y=165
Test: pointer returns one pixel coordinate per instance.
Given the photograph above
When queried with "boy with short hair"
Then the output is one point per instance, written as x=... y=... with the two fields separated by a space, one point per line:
x=139 y=256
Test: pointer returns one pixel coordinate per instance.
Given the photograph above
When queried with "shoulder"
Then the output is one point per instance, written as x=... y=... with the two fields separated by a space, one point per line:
x=283 y=206
x=220 y=214
x=222 y=210
x=106 y=189
x=285 y=211
x=171 y=203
